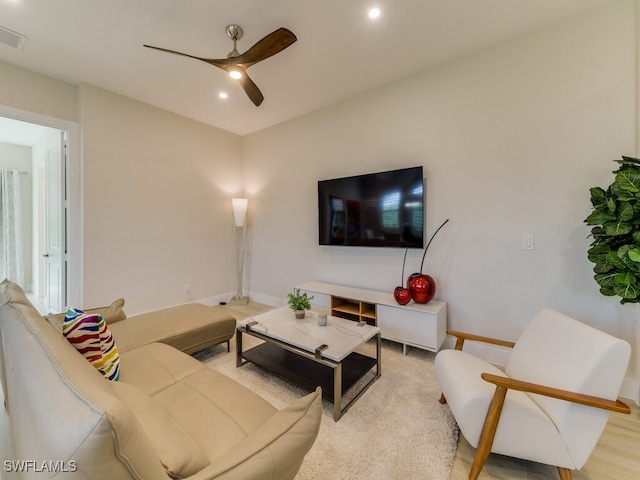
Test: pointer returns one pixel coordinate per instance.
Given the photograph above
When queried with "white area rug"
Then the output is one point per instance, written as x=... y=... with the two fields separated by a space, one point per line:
x=396 y=430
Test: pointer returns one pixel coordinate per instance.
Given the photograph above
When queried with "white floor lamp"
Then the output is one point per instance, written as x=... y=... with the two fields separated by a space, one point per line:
x=239 y=243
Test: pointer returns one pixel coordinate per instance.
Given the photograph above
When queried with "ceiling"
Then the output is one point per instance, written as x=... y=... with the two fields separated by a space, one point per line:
x=340 y=52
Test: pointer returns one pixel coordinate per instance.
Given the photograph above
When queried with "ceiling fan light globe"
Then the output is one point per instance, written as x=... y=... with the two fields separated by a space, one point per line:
x=235 y=74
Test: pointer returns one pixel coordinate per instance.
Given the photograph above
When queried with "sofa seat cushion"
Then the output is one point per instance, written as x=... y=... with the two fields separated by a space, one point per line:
x=469 y=397
x=190 y=327
x=215 y=410
x=156 y=366
x=178 y=451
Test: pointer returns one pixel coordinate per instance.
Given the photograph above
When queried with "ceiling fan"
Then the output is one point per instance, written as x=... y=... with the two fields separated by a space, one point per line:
x=236 y=64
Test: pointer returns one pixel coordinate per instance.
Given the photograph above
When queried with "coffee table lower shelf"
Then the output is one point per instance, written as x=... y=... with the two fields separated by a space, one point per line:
x=307 y=373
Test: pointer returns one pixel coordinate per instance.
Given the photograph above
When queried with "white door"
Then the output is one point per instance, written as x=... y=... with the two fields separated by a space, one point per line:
x=55 y=228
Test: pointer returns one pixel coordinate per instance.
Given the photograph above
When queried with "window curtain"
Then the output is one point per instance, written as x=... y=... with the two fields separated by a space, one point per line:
x=11 y=228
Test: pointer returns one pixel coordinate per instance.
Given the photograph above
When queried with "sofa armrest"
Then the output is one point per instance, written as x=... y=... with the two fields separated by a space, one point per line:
x=462 y=336
x=511 y=383
x=276 y=448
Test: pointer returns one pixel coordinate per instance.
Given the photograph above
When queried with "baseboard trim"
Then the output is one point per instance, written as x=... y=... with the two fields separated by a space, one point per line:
x=630 y=390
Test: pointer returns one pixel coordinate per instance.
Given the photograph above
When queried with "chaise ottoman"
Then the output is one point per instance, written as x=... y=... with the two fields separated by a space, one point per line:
x=190 y=327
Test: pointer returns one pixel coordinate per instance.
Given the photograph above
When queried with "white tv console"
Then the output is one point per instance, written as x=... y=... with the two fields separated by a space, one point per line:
x=417 y=325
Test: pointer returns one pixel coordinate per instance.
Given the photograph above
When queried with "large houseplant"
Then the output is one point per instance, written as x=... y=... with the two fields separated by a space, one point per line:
x=615 y=218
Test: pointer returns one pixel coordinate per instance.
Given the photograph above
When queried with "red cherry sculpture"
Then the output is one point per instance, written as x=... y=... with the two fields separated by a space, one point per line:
x=402 y=295
x=422 y=288
x=411 y=277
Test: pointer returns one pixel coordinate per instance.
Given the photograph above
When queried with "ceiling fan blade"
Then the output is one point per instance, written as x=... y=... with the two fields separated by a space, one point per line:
x=222 y=63
x=251 y=89
x=273 y=43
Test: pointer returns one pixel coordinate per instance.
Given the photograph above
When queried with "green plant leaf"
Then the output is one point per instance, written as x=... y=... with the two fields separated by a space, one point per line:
x=605 y=279
x=625 y=279
x=625 y=211
x=620 y=194
x=598 y=196
x=629 y=162
x=598 y=217
x=617 y=228
x=603 y=267
x=623 y=255
x=629 y=300
x=629 y=180
x=627 y=291
x=609 y=292
x=612 y=258
x=634 y=254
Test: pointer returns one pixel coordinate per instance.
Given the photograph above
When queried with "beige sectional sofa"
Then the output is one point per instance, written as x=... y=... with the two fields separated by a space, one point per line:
x=168 y=416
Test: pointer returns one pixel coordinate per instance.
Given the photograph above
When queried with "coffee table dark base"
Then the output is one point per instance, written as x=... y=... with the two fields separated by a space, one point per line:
x=309 y=371
x=306 y=373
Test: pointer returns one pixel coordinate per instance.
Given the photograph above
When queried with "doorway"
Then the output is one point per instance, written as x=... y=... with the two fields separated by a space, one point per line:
x=52 y=245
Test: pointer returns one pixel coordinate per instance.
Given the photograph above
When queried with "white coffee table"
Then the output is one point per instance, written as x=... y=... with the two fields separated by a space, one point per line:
x=309 y=355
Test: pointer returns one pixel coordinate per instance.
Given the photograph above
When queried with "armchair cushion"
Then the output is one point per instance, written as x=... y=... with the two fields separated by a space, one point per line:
x=469 y=397
x=558 y=351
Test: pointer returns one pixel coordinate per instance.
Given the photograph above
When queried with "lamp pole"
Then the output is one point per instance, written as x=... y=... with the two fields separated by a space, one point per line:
x=239 y=242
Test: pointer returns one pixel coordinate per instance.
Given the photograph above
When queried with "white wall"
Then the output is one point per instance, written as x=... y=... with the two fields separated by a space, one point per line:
x=27 y=90
x=157 y=208
x=18 y=157
x=511 y=140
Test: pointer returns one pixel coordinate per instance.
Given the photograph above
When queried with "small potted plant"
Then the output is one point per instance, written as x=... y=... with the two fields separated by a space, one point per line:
x=299 y=302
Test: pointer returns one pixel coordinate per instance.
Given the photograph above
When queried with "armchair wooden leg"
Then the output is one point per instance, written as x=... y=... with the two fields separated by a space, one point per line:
x=488 y=432
x=565 y=473
x=442 y=399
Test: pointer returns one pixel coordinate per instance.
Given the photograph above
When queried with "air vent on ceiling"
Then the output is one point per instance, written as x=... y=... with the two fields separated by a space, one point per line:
x=11 y=38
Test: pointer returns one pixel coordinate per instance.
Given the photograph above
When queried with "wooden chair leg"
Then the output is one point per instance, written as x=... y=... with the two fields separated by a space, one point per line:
x=488 y=432
x=442 y=399
x=565 y=473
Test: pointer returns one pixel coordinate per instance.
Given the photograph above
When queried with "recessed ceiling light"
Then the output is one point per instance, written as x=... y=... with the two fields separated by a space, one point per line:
x=223 y=95
x=374 y=13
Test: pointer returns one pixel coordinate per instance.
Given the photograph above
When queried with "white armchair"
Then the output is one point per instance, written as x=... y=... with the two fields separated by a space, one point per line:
x=551 y=403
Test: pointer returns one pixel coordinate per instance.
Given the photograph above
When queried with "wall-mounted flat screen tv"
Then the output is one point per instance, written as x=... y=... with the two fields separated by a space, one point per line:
x=384 y=209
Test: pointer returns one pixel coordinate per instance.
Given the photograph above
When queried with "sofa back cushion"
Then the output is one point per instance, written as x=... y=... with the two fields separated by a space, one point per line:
x=557 y=351
x=111 y=314
x=9 y=292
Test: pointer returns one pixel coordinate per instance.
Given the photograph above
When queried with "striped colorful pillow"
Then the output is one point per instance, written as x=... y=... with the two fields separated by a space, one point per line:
x=91 y=336
x=109 y=366
x=83 y=332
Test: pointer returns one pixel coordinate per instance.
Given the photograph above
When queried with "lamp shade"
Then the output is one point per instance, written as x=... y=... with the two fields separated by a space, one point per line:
x=239 y=210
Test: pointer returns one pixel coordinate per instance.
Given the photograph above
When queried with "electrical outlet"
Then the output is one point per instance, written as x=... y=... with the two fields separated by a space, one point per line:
x=187 y=290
